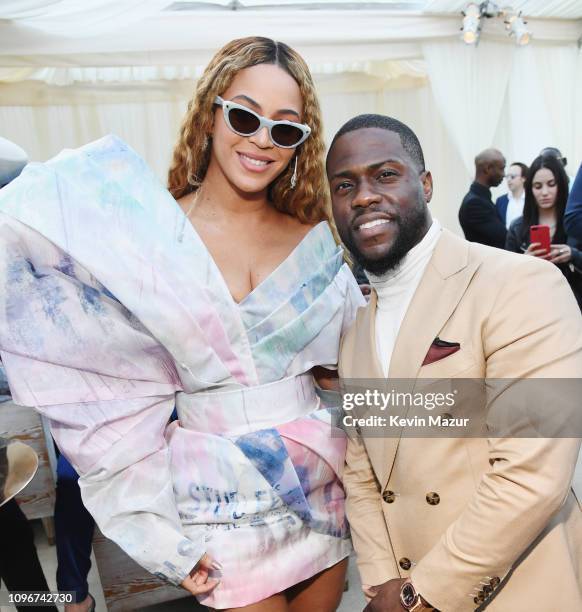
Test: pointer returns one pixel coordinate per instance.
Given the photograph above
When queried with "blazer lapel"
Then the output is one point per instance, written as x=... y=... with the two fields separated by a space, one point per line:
x=363 y=364
x=442 y=286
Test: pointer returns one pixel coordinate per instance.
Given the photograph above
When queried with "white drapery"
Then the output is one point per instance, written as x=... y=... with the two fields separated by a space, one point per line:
x=543 y=104
x=150 y=125
x=469 y=86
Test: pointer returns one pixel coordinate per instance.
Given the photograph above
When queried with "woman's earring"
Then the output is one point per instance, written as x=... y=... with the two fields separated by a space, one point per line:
x=294 y=177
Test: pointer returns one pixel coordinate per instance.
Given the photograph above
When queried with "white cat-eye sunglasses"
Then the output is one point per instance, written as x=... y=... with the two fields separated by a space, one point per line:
x=245 y=122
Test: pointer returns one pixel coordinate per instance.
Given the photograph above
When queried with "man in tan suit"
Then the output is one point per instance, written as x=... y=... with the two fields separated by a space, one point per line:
x=462 y=523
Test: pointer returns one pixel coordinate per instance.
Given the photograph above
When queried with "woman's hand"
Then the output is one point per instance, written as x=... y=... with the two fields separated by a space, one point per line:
x=198 y=582
x=560 y=254
x=534 y=250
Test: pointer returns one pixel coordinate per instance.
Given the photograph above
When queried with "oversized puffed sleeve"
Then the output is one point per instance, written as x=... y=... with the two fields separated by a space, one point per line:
x=76 y=354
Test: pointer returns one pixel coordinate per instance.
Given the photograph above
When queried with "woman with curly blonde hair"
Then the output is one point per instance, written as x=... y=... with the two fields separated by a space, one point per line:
x=229 y=304
x=308 y=201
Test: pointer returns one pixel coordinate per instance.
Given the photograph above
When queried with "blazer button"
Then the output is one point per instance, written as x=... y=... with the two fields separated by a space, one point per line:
x=487 y=589
x=494 y=581
x=389 y=497
x=433 y=498
x=405 y=563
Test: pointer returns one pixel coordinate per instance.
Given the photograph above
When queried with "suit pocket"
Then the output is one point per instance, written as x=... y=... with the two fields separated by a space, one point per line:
x=457 y=363
x=438 y=351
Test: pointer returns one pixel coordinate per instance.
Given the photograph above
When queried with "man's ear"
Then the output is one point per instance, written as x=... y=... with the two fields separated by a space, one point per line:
x=426 y=178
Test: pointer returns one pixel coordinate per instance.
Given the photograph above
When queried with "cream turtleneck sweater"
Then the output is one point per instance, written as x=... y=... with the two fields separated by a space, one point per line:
x=395 y=290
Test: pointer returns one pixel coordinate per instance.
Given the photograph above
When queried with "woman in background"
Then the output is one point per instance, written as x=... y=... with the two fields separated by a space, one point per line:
x=120 y=303
x=546 y=194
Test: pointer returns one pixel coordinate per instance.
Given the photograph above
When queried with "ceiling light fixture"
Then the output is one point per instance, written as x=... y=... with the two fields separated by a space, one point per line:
x=517 y=27
x=473 y=17
x=471 y=24
x=474 y=14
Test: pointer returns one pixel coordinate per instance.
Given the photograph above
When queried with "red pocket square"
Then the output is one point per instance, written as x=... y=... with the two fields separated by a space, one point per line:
x=439 y=349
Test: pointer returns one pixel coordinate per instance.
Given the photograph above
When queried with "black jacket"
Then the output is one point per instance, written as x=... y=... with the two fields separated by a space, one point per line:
x=518 y=240
x=479 y=219
x=573 y=216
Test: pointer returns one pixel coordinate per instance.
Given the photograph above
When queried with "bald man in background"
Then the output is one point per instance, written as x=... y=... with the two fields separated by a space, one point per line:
x=477 y=215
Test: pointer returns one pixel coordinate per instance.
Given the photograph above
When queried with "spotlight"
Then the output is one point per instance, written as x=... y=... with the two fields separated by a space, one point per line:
x=473 y=17
x=474 y=14
x=471 y=23
x=517 y=27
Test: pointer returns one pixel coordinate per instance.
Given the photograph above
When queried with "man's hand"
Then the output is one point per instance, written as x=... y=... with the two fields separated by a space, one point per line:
x=387 y=598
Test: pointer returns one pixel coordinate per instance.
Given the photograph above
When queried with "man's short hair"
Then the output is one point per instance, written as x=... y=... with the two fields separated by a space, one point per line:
x=523 y=167
x=408 y=138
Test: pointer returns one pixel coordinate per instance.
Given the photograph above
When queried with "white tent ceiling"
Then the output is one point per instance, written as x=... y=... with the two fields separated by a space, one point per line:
x=561 y=9
x=58 y=15
x=106 y=33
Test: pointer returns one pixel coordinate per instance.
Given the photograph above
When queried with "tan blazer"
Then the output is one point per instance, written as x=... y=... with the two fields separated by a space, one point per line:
x=504 y=530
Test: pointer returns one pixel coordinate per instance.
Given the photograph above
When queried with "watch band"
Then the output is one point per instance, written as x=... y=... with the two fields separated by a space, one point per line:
x=411 y=600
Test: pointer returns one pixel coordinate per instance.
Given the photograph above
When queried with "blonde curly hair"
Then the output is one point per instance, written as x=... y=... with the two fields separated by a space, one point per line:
x=309 y=202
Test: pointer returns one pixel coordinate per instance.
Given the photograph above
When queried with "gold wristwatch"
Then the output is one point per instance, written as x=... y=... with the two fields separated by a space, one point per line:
x=411 y=600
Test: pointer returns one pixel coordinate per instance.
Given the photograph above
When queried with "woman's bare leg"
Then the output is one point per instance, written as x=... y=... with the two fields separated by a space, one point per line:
x=276 y=603
x=321 y=593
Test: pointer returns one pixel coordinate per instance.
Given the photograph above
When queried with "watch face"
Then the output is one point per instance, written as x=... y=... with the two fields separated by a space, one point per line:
x=408 y=595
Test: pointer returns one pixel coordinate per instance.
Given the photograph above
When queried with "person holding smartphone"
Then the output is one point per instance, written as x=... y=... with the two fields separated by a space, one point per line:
x=540 y=231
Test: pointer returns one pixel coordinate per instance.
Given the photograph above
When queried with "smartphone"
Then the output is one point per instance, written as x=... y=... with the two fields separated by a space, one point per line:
x=541 y=234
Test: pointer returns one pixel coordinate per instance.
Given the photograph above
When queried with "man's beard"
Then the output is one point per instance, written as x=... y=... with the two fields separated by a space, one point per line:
x=411 y=229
